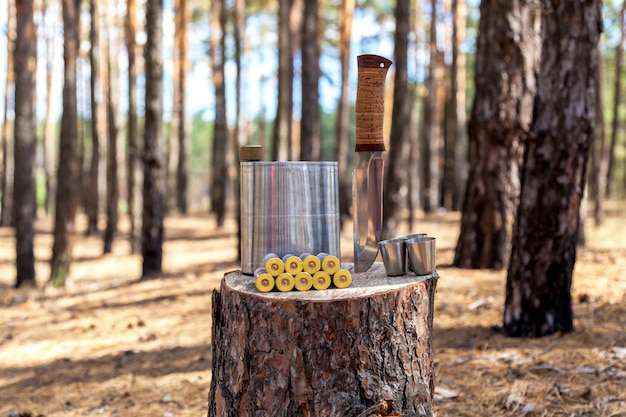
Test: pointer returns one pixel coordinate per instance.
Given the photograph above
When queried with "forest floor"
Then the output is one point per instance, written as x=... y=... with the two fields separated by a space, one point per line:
x=112 y=345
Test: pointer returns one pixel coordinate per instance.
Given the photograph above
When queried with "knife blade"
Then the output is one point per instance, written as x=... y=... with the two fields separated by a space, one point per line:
x=367 y=178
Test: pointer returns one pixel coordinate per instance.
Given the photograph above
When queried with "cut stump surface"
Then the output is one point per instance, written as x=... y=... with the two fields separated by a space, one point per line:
x=338 y=352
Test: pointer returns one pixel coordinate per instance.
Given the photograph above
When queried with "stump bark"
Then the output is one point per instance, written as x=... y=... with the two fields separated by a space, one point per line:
x=338 y=352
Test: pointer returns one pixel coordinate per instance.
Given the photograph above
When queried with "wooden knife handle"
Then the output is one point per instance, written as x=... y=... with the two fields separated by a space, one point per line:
x=370 y=102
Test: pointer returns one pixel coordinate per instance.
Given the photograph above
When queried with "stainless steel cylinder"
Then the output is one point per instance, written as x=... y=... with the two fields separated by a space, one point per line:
x=288 y=207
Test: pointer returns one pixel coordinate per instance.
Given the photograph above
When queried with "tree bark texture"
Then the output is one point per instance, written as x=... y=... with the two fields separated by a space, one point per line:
x=182 y=19
x=310 y=140
x=431 y=139
x=241 y=135
x=154 y=154
x=337 y=352
x=506 y=61
x=281 y=139
x=67 y=174
x=24 y=58
x=219 y=161
x=7 y=170
x=92 y=203
x=133 y=159
x=414 y=201
x=538 y=299
x=49 y=161
x=617 y=94
x=597 y=160
x=346 y=13
x=113 y=192
x=458 y=81
x=396 y=181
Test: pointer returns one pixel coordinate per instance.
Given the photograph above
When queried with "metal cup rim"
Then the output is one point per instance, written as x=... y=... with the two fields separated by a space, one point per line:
x=390 y=241
x=420 y=239
x=412 y=236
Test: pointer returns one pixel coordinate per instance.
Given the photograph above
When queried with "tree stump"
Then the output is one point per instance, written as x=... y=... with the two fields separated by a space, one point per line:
x=338 y=352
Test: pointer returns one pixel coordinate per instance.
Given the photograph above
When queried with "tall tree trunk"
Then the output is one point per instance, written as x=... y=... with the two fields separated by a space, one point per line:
x=133 y=160
x=432 y=130
x=92 y=202
x=49 y=134
x=24 y=57
x=617 y=97
x=310 y=116
x=394 y=200
x=67 y=177
x=240 y=137
x=346 y=14
x=154 y=147
x=449 y=109
x=82 y=106
x=458 y=96
x=282 y=137
x=182 y=18
x=538 y=298
x=598 y=158
x=112 y=196
x=501 y=116
x=414 y=200
x=6 y=179
x=219 y=177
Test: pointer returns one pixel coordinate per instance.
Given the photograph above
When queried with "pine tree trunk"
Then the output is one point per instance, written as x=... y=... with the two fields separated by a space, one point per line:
x=499 y=123
x=459 y=79
x=596 y=186
x=346 y=13
x=24 y=55
x=6 y=179
x=617 y=95
x=323 y=353
x=432 y=132
x=240 y=138
x=93 y=194
x=49 y=133
x=395 y=186
x=415 y=166
x=134 y=170
x=182 y=19
x=310 y=115
x=67 y=177
x=154 y=149
x=112 y=195
x=219 y=162
x=538 y=298
x=282 y=136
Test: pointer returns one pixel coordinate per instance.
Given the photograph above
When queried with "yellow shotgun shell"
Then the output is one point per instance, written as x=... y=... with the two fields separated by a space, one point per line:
x=264 y=282
x=321 y=280
x=304 y=281
x=311 y=263
x=293 y=264
x=342 y=278
x=285 y=282
x=330 y=263
x=274 y=266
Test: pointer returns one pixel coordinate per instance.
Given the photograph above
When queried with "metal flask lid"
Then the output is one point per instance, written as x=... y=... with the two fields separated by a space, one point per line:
x=251 y=153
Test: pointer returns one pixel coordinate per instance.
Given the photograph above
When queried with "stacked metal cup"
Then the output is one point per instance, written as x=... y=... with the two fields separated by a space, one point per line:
x=411 y=253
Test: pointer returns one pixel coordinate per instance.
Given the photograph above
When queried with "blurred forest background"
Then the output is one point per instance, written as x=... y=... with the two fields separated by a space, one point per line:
x=121 y=123
x=139 y=108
